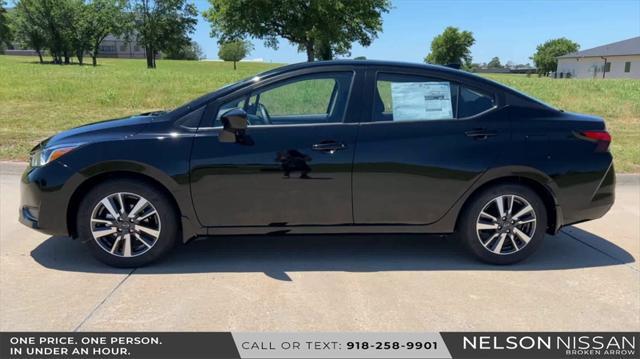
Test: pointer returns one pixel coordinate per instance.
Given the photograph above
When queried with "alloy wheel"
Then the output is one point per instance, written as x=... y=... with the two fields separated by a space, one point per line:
x=125 y=224
x=506 y=224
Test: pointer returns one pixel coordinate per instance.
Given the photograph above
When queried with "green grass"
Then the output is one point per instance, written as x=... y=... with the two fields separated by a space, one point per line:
x=615 y=100
x=38 y=100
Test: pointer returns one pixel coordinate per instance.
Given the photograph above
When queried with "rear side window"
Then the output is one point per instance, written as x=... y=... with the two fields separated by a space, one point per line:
x=402 y=97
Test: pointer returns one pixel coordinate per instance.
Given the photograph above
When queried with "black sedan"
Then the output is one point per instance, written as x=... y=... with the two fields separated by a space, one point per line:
x=326 y=147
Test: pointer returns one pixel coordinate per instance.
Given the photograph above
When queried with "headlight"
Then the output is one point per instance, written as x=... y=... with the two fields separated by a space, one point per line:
x=42 y=156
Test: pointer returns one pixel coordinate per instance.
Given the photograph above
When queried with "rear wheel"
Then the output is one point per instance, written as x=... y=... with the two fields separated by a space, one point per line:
x=504 y=224
x=127 y=223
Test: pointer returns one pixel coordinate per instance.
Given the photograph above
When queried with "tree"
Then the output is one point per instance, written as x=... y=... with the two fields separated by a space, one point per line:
x=321 y=28
x=234 y=51
x=191 y=51
x=101 y=18
x=495 y=63
x=451 y=47
x=546 y=54
x=5 y=29
x=360 y=58
x=26 y=28
x=163 y=24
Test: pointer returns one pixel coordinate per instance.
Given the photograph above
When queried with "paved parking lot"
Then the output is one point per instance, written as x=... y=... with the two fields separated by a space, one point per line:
x=585 y=278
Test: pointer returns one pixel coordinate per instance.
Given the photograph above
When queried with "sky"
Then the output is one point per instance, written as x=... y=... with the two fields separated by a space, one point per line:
x=510 y=30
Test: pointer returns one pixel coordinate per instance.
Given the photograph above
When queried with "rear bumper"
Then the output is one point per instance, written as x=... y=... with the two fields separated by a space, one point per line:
x=43 y=198
x=598 y=203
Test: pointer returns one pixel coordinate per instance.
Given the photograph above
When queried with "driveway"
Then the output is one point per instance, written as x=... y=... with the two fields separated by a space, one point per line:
x=585 y=278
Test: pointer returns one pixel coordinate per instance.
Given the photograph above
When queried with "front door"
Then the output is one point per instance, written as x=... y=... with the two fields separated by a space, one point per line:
x=295 y=167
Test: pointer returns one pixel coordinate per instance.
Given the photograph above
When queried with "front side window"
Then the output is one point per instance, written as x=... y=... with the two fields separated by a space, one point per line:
x=305 y=100
x=627 y=66
x=402 y=97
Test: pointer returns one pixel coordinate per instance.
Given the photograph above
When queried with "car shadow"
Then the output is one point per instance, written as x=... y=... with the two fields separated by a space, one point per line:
x=277 y=255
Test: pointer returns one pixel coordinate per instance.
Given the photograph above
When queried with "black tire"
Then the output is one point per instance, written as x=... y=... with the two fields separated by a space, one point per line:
x=471 y=237
x=169 y=231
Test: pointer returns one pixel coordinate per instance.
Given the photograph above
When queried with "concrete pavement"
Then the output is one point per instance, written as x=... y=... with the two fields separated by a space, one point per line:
x=586 y=278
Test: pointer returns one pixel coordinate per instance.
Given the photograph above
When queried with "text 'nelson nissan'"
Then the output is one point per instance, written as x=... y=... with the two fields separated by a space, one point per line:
x=340 y=146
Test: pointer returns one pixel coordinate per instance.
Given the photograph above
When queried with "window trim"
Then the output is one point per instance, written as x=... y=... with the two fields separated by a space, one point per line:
x=433 y=76
x=249 y=90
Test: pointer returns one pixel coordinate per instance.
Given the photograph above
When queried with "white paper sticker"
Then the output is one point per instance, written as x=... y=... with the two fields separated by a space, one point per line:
x=421 y=101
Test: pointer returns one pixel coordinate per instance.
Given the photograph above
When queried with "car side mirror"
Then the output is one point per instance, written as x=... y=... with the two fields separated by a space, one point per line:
x=234 y=125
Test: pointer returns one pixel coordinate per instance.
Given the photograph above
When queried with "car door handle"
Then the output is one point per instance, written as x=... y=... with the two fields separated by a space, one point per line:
x=480 y=134
x=328 y=146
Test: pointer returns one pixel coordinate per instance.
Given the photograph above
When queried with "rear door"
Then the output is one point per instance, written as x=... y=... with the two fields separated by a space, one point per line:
x=427 y=139
x=296 y=167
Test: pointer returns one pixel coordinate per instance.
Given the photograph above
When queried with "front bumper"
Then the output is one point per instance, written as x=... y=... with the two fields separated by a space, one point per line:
x=44 y=198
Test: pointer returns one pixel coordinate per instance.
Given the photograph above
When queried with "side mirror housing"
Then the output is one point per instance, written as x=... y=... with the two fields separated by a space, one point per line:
x=234 y=123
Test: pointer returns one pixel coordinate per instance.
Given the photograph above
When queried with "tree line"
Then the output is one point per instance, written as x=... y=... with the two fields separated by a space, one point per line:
x=453 y=46
x=322 y=29
x=69 y=29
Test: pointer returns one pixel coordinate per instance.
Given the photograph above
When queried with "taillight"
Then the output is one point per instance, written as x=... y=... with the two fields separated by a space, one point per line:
x=602 y=138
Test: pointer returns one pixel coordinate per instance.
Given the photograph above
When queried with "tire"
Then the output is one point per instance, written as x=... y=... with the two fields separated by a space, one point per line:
x=495 y=239
x=151 y=232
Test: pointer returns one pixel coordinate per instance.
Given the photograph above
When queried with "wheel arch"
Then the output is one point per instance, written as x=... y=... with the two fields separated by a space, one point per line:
x=538 y=182
x=136 y=171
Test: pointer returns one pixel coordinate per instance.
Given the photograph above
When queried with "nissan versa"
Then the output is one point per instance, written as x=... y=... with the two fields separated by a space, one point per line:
x=326 y=147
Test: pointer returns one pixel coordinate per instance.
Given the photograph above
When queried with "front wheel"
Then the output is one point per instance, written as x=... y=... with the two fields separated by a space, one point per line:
x=504 y=224
x=127 y=223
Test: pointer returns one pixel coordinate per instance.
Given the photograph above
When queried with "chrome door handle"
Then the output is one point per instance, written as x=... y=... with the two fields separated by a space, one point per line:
x=329 y=147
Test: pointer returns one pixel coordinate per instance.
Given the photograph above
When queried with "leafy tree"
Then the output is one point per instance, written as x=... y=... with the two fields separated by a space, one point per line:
x=234 y=51
x=321 y=28
x=28 y=32
x=360 y=58
x=451 y=47
x=546 y=54
x=5 y=29
x=495 y=63
x=163 y=24
x=192 y=51
x=101 y=18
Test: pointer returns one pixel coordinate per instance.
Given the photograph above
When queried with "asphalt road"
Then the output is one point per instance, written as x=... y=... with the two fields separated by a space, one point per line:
x=585 y=278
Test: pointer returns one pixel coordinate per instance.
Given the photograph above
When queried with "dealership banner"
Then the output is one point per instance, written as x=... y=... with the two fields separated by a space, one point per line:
x=188 y=345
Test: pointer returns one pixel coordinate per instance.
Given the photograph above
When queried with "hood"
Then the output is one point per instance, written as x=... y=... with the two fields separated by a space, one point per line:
x=104 y=130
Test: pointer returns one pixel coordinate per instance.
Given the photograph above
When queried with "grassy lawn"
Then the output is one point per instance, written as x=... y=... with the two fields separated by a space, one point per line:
x=39 y=100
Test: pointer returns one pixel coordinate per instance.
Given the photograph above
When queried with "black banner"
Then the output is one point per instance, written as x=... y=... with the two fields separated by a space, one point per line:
x=192 y=345
x=543 y=345
x=147 y=345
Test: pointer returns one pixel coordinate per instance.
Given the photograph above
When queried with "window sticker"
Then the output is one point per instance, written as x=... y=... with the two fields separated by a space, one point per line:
x=421 y=101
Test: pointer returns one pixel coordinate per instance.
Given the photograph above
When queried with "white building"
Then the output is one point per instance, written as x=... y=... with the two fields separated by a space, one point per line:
x=616 y=60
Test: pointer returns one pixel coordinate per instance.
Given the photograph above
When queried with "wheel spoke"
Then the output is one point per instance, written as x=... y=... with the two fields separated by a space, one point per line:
x=152 y=232
x=146 y=215
x=525 y=238
x=527 y=209
x=103 y=232
x=483 y=213
x=115 y=244
x=500 y=204
x=106 y=202
x=126 y=250
x=513 y=241
x=526 y=221
x=491 y=239
x=103 y=221
x=144 y=241
x=483 y=226
x=498 y=248
x=121 y=204
x=139 y=206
